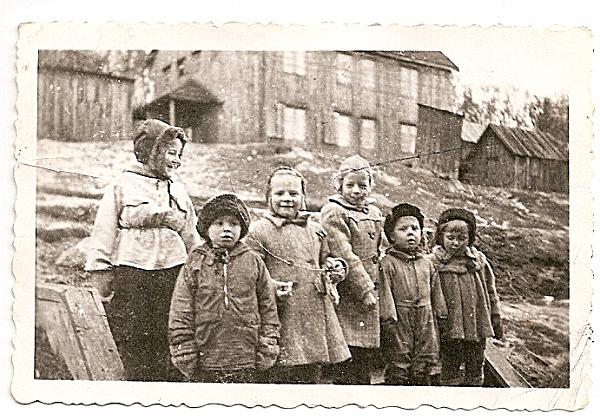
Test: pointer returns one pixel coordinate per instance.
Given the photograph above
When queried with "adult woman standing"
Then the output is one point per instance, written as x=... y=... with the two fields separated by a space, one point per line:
x=144 y=229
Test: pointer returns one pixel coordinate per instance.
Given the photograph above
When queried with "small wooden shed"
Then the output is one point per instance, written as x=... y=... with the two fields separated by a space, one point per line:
x=80 y=100
x=439 y=140
x=518 y=158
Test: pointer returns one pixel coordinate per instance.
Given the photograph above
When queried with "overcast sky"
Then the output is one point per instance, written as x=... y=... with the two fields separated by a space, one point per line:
x=545 y=62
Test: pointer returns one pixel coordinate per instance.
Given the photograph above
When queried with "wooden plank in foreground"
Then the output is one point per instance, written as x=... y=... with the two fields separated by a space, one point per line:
x=77 y=328
x=499 y=371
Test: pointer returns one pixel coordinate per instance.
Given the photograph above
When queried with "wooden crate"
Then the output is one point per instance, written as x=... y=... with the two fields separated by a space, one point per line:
x=74 y=320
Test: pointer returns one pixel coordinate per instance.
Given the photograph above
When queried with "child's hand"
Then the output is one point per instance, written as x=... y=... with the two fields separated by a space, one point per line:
x=370 y=301
x=173 y=219
x=283 y=289
x=497 y=326
x=337 y=269
x=102 y=280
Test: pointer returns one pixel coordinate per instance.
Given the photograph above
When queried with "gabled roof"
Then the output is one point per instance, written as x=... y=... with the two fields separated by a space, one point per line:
x=471 y=132
x=429 y=58
x=191 y=90
x=532 y=143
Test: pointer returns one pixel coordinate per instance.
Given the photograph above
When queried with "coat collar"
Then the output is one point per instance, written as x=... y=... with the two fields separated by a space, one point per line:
x=403 y=255
x=139 y=169
x=176 y=189
x=216 y=255
x=470 y=260
x=339 y=199
x=279 y=221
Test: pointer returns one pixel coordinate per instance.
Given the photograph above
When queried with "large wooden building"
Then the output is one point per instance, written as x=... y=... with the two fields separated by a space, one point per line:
x=81 y=98
x=363 y=101
x=517 y=158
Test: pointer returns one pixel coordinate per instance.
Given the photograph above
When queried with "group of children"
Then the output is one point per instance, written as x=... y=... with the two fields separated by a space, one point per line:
x=285 y=299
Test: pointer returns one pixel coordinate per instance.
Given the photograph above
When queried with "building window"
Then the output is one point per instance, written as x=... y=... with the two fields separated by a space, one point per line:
x=534 y=166
x=343 y=130
x=343 y=65
x=367 y=74
x=408 y=138
x=181 y=67
x=368 y=133
x=294 y=124
x=294 y=62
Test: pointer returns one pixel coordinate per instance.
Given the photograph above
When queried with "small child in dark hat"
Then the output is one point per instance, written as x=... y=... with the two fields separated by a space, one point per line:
x=469 y=288
x=223 y=323
x=410 y=299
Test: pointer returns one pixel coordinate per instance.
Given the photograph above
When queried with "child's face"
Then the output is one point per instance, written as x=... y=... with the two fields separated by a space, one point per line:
x=356 y=187
x=406 y=235
x=286 y=195
x=456 y=237
x=167 y=160
x=225 y=231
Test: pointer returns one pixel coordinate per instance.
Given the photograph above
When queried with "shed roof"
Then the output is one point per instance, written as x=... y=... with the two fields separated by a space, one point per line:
x=471 y=132
x=532 y=143
x=82 y=61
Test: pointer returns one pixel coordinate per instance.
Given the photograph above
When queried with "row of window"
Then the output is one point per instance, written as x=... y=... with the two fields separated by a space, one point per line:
x=290 y=124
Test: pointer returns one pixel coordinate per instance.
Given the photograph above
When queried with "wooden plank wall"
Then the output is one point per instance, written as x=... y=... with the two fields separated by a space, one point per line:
x=251 y=84
x=439 y=140
x=74 y=106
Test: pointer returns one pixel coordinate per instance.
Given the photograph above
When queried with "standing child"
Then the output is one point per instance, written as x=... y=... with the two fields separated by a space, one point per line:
x=469 y=288
x=354 y=232
x=144 y=228
x=295 y=251
x=223 y=323
x=410 y=298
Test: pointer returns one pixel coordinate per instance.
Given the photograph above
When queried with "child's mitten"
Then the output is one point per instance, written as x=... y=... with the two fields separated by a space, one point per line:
x=283 y=289
x=267 y=354
x=497 y=325
x=186 y=363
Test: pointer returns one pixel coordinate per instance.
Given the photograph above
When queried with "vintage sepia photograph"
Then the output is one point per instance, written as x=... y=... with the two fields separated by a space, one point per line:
x=339 y=221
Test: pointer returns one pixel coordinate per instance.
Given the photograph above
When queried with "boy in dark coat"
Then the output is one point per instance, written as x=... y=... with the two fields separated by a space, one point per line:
x=411 y=298
x=223 y=323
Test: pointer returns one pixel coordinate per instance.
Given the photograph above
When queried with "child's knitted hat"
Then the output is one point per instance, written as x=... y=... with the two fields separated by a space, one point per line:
x=221 y=205
x=151 y=133
x=352 y=164
x=396 y=213
x=456 y=214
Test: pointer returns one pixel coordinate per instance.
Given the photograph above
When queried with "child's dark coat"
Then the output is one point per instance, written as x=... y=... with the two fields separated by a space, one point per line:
x=223 y=313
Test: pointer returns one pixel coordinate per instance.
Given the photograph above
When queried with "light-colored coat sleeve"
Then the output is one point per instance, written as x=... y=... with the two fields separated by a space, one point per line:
x=105 y=231
x=254 y=239
x=182 y=342
x=268 y=336
x=189 y=233
x=335 y=222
